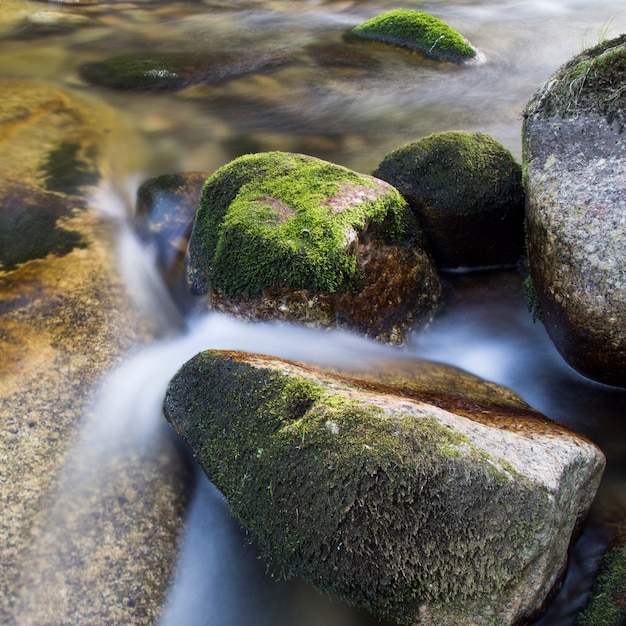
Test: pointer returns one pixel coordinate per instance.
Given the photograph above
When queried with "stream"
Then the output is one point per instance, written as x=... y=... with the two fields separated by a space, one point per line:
x=351 y=116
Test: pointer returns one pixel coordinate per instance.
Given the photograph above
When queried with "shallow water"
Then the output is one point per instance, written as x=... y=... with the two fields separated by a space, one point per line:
x=352 y=116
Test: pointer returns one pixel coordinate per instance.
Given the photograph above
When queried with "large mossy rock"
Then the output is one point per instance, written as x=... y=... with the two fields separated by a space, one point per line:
x=425 y=495
x=417 y=31
x=466 y=191
x=289 y=236
x=575 y=161
x=66 y=320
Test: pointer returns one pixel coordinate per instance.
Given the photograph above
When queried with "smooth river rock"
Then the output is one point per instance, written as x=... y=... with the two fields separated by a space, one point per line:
x=575 y=162
x=74 y=529
x=425 y=495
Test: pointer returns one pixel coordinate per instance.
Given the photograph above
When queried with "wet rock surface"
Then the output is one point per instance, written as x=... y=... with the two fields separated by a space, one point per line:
x=291 y=237
x=466 y=192
x=575 y=161
x=66 y=321
x=426 y=495
x=165 y=211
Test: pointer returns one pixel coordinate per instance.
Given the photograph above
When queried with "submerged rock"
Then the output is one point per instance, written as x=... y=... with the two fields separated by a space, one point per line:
x=426 y=495
x=575 y=162
x=288 y=236
x=418 y=31
x=165 y=211
x=466 y=192
x=171 y=72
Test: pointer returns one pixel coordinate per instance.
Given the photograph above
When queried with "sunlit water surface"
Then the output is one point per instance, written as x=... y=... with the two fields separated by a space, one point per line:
x=352 y=117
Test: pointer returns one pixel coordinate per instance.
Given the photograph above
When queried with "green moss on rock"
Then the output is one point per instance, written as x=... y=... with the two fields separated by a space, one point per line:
x=281 y=220
x=418 y=31
x=141 y=72
x=31 y=227
x=379 y=504
x=466 y=191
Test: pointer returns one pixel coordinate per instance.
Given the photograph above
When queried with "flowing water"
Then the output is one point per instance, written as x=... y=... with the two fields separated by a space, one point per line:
x=349 y=114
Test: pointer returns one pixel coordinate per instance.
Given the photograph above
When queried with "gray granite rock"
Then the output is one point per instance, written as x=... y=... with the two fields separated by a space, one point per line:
x=575 y=163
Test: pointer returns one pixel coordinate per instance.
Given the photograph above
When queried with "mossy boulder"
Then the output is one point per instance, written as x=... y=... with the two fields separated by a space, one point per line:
x=289 y=236
x=575 y=163
x=425 y=494
x=417 y=31
x=466 y=191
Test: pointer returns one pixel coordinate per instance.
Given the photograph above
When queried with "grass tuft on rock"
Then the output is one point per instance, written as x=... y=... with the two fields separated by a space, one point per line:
x=593 y=81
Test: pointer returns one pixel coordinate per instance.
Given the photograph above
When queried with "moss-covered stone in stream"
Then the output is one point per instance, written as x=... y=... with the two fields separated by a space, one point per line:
x=466 y=191
x=277 y=220
x=143 y=72
x=387 y=508
x=174 y=71
x=418 y=31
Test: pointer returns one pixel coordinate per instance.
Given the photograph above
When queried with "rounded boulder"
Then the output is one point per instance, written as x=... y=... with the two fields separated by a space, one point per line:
x=466 y=191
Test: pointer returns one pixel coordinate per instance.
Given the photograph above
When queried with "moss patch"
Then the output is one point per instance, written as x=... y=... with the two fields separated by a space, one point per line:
x=417 y=31
x=607 y=606
x=65 y=169
x=385 y=508
x=279 y=220
x=30 y=227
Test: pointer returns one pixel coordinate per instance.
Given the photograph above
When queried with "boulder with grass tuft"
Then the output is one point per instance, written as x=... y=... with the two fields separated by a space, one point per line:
x=575 y=163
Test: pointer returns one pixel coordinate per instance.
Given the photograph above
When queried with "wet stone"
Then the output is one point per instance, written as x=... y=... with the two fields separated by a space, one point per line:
x=172 y=72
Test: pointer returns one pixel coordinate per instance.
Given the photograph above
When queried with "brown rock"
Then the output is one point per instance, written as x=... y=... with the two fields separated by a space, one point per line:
x=65 y=321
